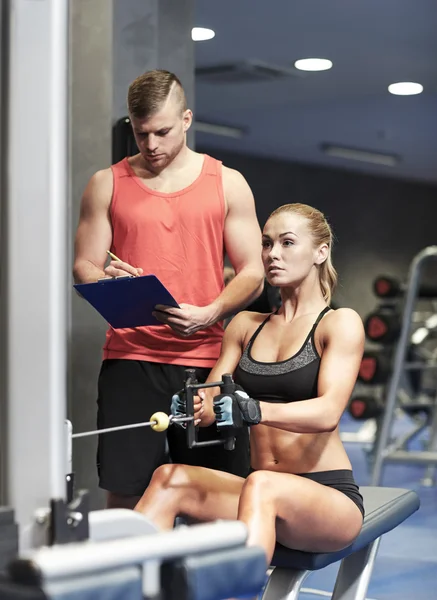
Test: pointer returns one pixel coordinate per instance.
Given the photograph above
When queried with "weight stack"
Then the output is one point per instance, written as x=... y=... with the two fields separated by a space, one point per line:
x=8 y=537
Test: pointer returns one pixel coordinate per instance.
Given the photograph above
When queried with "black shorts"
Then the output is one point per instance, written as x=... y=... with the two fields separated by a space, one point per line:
x=130 y=391
x=339 y=479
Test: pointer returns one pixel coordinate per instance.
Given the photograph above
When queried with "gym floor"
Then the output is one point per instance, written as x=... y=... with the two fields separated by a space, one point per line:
x=406 y=564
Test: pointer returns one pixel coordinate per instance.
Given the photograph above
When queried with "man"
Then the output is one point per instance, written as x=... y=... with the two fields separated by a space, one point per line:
x=174 y=213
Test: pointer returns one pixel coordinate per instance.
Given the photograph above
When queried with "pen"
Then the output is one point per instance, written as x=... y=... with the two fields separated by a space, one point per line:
x=116 y=258
x=113 y=256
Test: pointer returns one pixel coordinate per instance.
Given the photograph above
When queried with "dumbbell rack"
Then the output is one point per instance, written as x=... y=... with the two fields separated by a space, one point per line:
x=387 y=451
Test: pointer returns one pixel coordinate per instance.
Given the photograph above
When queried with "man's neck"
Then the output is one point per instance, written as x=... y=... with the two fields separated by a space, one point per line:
x=180 y=162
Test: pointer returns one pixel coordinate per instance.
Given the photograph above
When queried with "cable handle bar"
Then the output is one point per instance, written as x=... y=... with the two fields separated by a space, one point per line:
x=227 y=386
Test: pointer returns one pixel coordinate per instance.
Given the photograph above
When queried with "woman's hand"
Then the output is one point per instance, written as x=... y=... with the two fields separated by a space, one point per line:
x=236 y=409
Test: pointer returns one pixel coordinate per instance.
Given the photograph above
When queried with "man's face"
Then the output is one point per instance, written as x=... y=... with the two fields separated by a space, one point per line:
x=161 y=137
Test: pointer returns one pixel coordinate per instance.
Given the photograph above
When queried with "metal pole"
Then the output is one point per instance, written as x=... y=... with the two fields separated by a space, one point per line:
x=4 y=20
x=399 y=360
x=429 y=477
x=36 y=260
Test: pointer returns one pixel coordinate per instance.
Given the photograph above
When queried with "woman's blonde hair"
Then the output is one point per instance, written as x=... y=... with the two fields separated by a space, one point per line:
x=322 y=234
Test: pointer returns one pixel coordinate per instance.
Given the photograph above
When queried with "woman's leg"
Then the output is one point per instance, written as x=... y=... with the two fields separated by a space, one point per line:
x=297 y=512
x=195 y=492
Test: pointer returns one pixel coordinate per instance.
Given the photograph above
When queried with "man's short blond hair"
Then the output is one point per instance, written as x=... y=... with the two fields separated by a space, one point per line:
x=148 y=92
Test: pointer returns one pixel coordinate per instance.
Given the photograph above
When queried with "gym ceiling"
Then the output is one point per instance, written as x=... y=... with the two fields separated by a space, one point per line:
x=343 y=117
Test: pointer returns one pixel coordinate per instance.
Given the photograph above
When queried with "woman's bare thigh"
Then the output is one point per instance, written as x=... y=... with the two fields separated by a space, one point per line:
x=219 y=494
x=310 y=516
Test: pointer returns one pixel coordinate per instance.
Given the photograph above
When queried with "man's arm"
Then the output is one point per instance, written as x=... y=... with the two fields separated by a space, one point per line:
x=94 y=232
x=242 y=237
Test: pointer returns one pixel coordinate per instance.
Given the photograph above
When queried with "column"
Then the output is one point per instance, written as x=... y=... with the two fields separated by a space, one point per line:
x=35 y=291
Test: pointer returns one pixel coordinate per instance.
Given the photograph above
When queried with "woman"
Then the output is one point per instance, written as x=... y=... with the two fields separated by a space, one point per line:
x=301 y=490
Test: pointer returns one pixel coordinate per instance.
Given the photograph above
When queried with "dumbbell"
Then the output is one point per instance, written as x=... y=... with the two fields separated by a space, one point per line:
x=388 y=287
x=362 y=408
x=383 y=325
x=375 y=367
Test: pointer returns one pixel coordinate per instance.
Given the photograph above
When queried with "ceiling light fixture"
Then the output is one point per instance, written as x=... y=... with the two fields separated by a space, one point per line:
x=367 y=156
x=313 y=64
x=200 y=34
x=405 y=88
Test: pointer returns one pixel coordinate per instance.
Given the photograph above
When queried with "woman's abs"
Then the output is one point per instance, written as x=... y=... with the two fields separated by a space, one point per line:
x=277 y=450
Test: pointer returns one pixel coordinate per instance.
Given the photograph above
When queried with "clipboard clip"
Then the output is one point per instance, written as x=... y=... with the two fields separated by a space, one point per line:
x=115 y=278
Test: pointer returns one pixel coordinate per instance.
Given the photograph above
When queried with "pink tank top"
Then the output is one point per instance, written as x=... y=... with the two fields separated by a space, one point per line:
x=179 y=238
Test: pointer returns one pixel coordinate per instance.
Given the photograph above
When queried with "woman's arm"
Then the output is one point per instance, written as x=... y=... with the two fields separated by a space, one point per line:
x=341 y=359
x=230 y=354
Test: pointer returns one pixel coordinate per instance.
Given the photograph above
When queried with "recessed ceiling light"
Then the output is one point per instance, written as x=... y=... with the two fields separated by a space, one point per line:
x=313 y=64
x=405 y=88
x=200 y=34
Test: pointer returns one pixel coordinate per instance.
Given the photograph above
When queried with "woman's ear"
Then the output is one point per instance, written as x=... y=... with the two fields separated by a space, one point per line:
x=322 y=254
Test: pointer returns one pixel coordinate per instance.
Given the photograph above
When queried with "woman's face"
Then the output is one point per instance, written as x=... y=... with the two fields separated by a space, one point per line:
x=288 y=250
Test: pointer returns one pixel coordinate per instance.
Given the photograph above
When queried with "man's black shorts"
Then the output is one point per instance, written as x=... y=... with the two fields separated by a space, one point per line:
x=130 y=391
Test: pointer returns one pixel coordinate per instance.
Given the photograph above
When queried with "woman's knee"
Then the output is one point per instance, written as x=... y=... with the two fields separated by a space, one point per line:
x=267 y=487
x=177 y=481
x=169 y=474
x=258 y=485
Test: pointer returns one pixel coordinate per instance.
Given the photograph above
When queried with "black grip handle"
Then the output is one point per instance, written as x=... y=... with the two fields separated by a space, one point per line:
x=190 y=379
x=228 y=387
x=190 y=376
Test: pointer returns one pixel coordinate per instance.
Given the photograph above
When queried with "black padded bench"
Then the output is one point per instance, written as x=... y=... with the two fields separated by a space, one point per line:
x=386 y=508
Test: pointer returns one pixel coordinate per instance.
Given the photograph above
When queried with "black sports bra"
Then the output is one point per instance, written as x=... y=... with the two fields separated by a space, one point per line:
x=285 y=381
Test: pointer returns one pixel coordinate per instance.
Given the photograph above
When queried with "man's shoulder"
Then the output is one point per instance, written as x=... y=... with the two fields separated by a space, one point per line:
x=227 y=172
x=102 y=175
x=100 y=186
x=232 y=174
x=234 y=183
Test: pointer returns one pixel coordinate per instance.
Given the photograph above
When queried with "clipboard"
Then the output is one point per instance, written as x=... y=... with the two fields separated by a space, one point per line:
x=127 y=302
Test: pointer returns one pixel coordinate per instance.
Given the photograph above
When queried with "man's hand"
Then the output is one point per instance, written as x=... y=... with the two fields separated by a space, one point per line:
x=235 y=410
x=203 y=412
x=185 y=320
x=118 y=268
x=198 y=409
